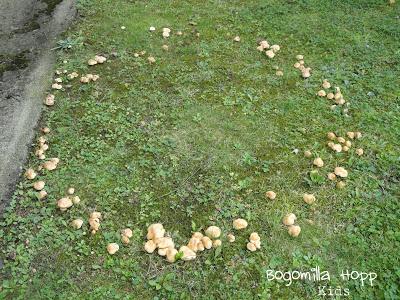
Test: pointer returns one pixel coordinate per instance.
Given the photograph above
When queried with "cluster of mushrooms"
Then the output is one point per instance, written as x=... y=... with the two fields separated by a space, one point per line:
x=89 y=77
x=98 y=59
x=334 y=95
x=270 y=51
x=68 y=201
x=289 y=220
x=305 y=71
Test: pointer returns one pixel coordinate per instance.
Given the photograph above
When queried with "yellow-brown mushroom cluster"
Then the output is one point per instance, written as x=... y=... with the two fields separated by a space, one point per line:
x=94 y=222
x=68 y=201
x=98 y=59
x=305 y=71
x=254 y=242
x=89 y=77
x=270 y=51
x=126 y=234
x=289 y=220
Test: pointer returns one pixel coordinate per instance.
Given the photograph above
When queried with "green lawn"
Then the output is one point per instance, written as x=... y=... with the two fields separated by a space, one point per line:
x=198 y=137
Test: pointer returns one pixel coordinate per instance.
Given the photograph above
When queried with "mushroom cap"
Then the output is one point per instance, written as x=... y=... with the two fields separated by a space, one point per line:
x=198 y=235
x=299 y=57
x=307 y=153
x=239 y=224
x=112 y=248
x=254 y=236
x=150 y=246
x=77 y=223
x=231 y=238
x=39 y=185
x=330 y=96
x=152 y=28
x=162 y=251
x=264 y=44
x=350 y=135
x=251 y=247
x=94 y=224
x=171 y=254
x=213 y=232
x=206 y=242
x=236 y=38
x=151 y=59
x=275 y=48
x=337 y=147
x=165 y=47
x=100 y=59
x=42 y=194
x=76 y=199
x=340 y=171
x=270 y=195
x=30 y=174
x=318 y=162
x=95 y=215
x=294 y=230
x=359 y=151
x=164 y=242
x=321 y=93
x=340 y=184
x=216 y=243
x=127 y=232
x=155 y=231
x=289 y=219
x=125 y=240
x=193 y=244
x=309 y=198
x=50 y=165
x=188 y=254
x=92 y=62
x=270 y=53
x=71 y=191
x=326 y=84
x=331 y=176
x=64 y=203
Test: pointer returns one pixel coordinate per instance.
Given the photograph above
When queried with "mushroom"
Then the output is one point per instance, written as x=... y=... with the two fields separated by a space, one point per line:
x=49 y=100
x=155 y=231
x=49 y=165
x=231 y=238
x=239 y=224
x=264 y=44
x=150 y=246
x=296 y=65
x=331 y=176
x=84 y=79
x=321 y=93
x=307 y=153
x=358 y=135
x=171 y=255
x=206 y=242
x=56 y=86
x=341 y=140
x=76 y=200
x=260 y=48
x=216 y=243
x=309 y=198
x=151 y=59
x=42 y=194
x=100 y=59
x=92 y=62
x=306 y=72
x=236 y=38
x=279 y=73
x=289 y=219
x=326 y=84
x=270 y=53
x=39 y=185
x=162 y=251
x=254 y=236
x=299 y=57
x=330 y=96
x=30 y=174
x=213 y=232
x=318 y=162
x=294 y=230
x=251 y=247
x=152 y=28
x=64 y=203
x=341 y=172
x=127 y=232
x=275 y=48
x=165 y=47
x=77 y=223
x=71 y=191
x=187 y=253
x=360 y=151
x=45 y=130
x=198 y=235
x=164 y=242
x=337 y=147
x=351 y=135
x=345 y=148
x=58 y=80
x=95 y=215
x=125 y=240
x=193 y=243
x=112 y=248
x=270 y=195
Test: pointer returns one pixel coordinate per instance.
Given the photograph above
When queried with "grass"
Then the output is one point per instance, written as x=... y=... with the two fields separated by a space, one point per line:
x=197 y=139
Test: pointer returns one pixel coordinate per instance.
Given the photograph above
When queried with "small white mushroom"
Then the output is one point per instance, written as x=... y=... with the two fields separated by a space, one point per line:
x=112 y=248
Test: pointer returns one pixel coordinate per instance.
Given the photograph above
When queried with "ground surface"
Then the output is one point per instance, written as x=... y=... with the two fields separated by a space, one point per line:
x=198 y=137
x=27 y=30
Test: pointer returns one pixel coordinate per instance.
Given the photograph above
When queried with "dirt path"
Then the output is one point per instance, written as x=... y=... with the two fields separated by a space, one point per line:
x=27 y=32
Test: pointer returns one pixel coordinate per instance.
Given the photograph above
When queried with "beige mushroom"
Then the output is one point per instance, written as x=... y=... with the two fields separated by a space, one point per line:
x=309 y=198
x=326 y=84
x=216 y=243
x=254 y=236
x=340 y=184
x=92 y=62
x=155 y=231
x=151 y=59
x=206 y=242
x=198 y=235
x=70 y=191
x=330 y=96
x=64 y=203
x=30 y=174
x=127 y=232
x=125 y=240
x=341 y=172
x=171 y=255
x=165 y=47
x=213 y=232
x=75 y=199
x=321 y=93
x=270 y=53
x=231 y=238
x=49 y=100
x=251 y=247
x=164 y=242
x=187 y=253
x=264 y=44
x=42 y=194
x=331 y=176
x=318 y=162
x=239 y=224
x=337 y=147
x=112 y=248
x=289 y=219
x=294 y=230
x=236 y=38
x=39 y=185
x=77 y=223
x=307 y=153
x=350 y=135
x=150 y=246
x=270 y=195
x=275 y=48
x=359 y=151
x=49 y=165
